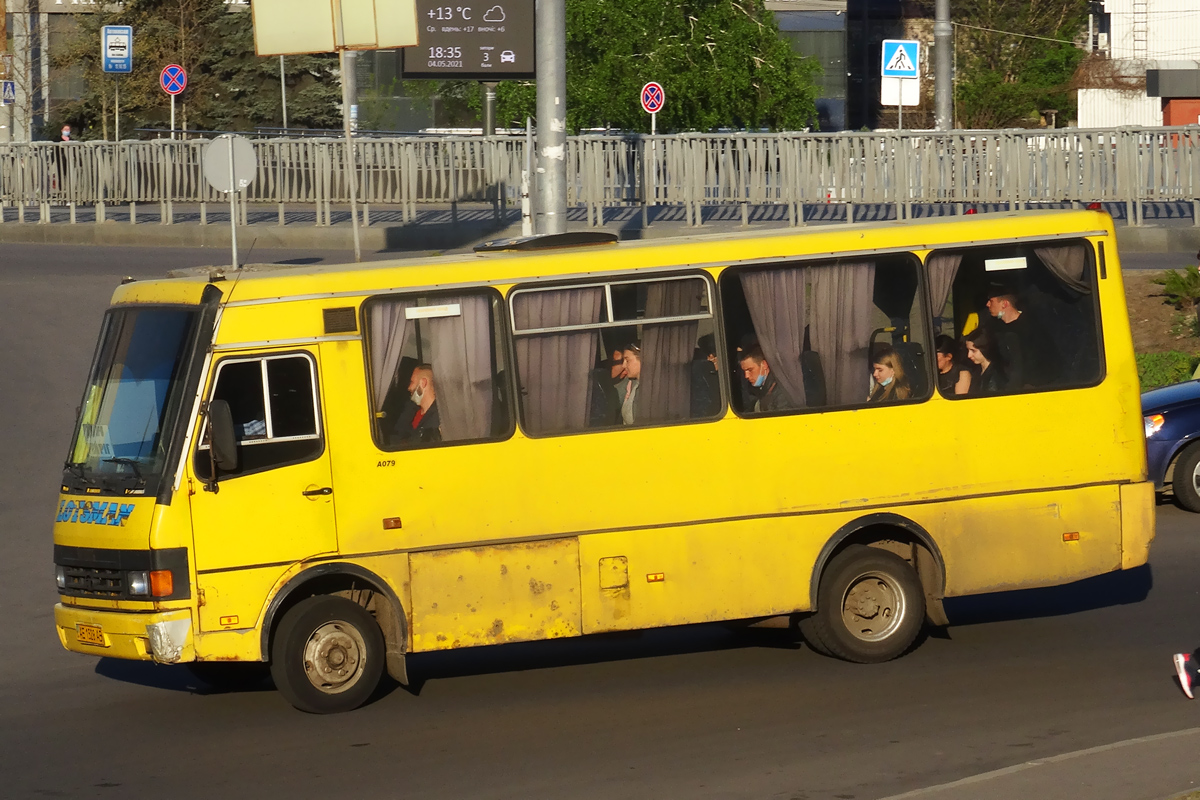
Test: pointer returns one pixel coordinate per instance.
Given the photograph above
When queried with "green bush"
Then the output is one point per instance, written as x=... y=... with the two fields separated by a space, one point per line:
x=1163 y=369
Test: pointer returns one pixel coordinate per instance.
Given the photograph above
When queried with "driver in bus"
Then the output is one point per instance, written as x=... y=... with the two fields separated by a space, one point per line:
x=419 y=422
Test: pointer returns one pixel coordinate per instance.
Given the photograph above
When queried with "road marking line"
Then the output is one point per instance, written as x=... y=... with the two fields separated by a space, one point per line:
x=999 y=773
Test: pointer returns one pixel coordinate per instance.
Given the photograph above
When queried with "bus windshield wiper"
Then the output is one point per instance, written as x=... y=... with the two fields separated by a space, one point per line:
x=129 y=462
x=74 y=469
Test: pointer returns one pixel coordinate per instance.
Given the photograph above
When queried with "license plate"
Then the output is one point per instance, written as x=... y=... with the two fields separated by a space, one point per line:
x=90 y=634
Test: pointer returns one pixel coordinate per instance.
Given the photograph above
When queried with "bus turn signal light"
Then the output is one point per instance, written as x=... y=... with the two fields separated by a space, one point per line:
x=1071 y=537
x=162 y=583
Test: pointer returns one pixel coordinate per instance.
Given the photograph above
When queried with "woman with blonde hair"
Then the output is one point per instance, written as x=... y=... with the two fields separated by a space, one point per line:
x=890 y=381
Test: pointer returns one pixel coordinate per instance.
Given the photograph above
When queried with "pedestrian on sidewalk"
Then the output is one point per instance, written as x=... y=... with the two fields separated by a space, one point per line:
x=1187 y=667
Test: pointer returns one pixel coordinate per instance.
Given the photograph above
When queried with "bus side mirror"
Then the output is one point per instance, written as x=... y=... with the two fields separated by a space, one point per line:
x=221 y=438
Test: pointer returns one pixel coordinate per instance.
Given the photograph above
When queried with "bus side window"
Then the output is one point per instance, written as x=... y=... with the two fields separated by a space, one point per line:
x=1017 y=317
x=273 y=404
x=826 y=335
x=625 y=353
x=437 y=375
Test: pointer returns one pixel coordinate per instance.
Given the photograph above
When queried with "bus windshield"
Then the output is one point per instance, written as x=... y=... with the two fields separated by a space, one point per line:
x=132 y=399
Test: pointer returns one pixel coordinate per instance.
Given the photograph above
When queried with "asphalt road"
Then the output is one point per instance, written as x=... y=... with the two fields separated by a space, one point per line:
x=703 y=711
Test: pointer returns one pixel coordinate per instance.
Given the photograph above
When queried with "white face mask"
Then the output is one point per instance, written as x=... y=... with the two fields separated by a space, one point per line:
x=418 y=395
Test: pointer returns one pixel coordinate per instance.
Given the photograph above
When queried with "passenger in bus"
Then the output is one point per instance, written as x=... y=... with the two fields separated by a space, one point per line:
x=627 y=387
x=419 y=421
x=1029 y=354
x=768 y=394
x=605 y=404
x=954 y=377
x=745 y=390
x=984 y=352
x=705 y=378
x=891 y=384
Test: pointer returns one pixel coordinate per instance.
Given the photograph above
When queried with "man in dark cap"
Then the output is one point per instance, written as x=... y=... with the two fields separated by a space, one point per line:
x=1030 y=355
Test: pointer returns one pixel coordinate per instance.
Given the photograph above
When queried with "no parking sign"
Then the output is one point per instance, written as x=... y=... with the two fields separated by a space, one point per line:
x=653 y=97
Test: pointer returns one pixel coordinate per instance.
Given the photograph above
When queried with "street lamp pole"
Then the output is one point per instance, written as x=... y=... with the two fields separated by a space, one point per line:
x=551 y=163
x=943 y=43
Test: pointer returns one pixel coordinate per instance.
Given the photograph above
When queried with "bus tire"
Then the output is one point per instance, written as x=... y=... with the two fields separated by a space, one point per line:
x=1185 y=478
x=870 y=606
x=230 y=676
x=327 y=655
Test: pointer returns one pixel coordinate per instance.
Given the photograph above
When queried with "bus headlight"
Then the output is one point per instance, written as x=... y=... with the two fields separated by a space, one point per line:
x=60 y=577
x=139 y=583
x=1154 y=423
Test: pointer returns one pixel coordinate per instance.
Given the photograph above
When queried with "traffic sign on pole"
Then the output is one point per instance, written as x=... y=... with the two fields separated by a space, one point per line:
x=653 y=97
x=900 y=58
x=173 y=79
x=8 y=93
x=116 y=48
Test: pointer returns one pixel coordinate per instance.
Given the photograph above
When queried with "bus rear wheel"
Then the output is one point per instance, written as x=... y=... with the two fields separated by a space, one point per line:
x=870 y=606
x=327 y=656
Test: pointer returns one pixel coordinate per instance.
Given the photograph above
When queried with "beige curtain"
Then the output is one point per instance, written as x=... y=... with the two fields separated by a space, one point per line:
x=1067 y=262
x=840 y=330
x=776 y=300
x=664 y=389
x=555 y=368
x=388 y=332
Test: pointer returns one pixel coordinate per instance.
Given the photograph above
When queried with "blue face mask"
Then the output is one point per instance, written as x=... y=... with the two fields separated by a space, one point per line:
x=886 y=383
x=759 y=381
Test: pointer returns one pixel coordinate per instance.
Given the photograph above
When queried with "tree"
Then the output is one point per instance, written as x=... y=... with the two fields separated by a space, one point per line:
x=721 y=62
x=229 y=87
x=1021 y=65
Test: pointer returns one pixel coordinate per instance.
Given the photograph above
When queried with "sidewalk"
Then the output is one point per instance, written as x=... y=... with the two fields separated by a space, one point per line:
x=1168 y=227
x=1148 y=768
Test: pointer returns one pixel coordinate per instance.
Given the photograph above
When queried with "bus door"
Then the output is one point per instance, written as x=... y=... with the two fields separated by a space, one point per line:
x=275 y=506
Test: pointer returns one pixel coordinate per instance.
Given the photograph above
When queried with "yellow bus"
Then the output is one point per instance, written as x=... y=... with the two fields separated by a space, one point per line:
x=320 y=470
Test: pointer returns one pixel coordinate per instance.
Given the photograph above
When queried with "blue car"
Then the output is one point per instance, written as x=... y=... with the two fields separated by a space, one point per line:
x=1172 y=416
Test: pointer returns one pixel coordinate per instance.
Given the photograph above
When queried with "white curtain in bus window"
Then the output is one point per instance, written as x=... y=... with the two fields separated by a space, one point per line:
x=622 y=353
x=555 y=368
x=433 y=368
x=820 y=329
x=665 y=394
x=777 y=308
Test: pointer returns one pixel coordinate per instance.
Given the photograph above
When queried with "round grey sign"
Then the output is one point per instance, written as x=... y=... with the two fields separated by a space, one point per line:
x=229 y=163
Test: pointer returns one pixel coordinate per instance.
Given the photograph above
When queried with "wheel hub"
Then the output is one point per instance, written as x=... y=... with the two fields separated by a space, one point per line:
x=873 y=606
x=333 y=657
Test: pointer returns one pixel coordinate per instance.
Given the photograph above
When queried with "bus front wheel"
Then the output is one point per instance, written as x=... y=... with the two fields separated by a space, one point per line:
x=870 y=606
x=327 y=656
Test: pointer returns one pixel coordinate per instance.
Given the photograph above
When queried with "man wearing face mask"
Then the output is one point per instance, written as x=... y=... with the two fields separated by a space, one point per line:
x=768 y=394
x=419 y=421
x=1030 y=355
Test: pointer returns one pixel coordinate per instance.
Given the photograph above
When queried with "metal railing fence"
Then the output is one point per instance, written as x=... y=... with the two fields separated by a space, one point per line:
x=1011 y=167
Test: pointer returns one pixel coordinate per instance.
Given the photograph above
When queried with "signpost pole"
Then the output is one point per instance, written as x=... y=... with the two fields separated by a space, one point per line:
x=351 y=173
x=232 y=204
x=283 y=94
x=117 y=109
x=172 y=116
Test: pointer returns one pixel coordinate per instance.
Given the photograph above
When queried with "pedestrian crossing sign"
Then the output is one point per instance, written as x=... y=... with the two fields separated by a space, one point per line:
x=900 y=58
x=8 y=93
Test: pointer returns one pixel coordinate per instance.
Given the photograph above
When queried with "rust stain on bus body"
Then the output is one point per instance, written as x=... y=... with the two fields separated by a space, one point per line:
x=471 y=596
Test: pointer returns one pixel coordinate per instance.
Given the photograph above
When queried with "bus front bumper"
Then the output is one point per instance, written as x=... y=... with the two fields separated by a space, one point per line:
x=162 y=636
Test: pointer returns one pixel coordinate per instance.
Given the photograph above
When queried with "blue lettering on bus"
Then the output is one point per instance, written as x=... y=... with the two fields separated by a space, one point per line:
x=88 y=512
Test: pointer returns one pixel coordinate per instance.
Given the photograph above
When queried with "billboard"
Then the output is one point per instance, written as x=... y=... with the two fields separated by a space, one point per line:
x=289 y=27
x=491 y=40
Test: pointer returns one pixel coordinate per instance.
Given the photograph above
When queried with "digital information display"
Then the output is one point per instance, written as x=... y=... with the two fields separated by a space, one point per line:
x=488 y=41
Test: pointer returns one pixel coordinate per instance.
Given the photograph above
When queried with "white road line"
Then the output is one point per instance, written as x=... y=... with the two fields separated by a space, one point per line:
x=999 y=773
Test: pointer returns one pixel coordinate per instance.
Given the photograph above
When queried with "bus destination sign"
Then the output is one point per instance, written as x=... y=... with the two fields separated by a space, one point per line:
x=477 y=39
